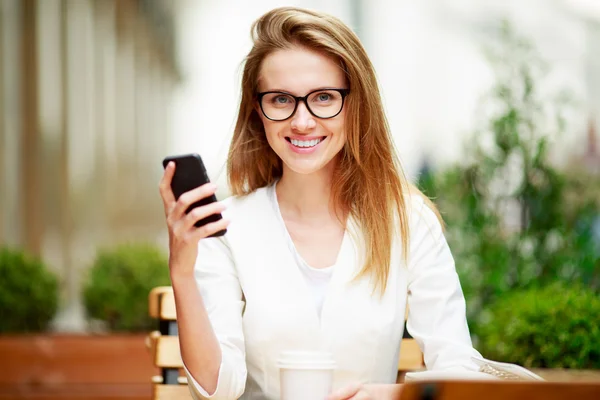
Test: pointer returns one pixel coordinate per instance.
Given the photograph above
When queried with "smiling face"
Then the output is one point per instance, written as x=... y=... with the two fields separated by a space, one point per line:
x=305 y=143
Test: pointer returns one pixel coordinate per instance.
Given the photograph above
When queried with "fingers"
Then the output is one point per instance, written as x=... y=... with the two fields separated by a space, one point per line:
x=164 y=187
x=188 y=198
x=345 y=393
x=210 y=229
x=199 y=213
x=191 y=234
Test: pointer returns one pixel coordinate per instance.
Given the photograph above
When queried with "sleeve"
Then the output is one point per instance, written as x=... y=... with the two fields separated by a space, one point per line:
x=437 y=316
x=217 y=280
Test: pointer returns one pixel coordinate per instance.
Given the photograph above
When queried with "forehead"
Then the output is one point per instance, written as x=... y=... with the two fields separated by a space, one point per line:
x=299 y=70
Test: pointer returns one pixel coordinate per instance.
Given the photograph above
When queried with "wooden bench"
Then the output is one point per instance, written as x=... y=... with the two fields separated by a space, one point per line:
x=164 y=347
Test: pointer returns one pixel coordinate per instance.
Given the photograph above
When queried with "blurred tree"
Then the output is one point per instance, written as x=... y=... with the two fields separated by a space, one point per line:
x=508 y=173
x=29 y=296
x=119 y=281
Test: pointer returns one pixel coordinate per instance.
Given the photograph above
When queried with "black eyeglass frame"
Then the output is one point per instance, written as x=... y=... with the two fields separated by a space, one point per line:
x=298 y=99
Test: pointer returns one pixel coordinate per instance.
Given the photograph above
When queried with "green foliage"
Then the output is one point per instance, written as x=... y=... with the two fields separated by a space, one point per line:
x=28 y=294
x=551 y=327
x=117 y=287
x=508 y=172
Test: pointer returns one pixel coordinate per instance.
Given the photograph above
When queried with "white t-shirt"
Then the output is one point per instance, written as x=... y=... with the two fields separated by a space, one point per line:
x=317 y=279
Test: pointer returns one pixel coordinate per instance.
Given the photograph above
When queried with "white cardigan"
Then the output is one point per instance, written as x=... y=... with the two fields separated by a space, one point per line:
x=260 y=305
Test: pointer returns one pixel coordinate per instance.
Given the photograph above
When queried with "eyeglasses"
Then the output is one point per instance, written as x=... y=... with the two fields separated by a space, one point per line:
x=322 y=103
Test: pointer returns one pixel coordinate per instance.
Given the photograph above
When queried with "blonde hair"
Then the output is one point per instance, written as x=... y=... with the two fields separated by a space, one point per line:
x=368 y=184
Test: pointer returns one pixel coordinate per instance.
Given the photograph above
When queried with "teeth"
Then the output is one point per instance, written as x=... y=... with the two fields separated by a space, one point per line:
x=306 y=143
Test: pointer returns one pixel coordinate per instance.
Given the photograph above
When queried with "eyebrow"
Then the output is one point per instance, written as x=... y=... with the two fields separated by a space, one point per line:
x=310 y=91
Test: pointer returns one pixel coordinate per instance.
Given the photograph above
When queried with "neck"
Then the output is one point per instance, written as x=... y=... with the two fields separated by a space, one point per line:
x=307 y=197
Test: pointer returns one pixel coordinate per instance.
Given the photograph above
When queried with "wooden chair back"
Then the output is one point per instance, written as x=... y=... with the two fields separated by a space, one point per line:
x=164 y=347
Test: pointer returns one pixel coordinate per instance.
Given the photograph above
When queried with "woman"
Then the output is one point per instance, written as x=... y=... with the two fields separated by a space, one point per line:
x=328 y=243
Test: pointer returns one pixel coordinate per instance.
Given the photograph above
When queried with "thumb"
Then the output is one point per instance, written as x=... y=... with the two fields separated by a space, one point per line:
x=345 y=393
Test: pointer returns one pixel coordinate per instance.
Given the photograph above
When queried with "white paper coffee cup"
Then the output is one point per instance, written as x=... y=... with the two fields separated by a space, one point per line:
x=305 y=375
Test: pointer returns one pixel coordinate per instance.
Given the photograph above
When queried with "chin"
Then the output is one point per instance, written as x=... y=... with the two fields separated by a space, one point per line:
x=304 y=169
x=309 y=167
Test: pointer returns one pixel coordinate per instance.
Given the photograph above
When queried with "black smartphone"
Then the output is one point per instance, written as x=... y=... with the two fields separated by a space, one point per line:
x=190 y=173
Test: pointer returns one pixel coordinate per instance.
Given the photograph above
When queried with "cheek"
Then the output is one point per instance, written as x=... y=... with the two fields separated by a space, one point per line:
x=270 y=131
x=337 y=125
x=337 y=128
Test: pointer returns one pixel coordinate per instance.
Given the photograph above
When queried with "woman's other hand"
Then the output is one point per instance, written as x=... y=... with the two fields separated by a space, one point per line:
x=183 y=235
x=355 y=392
x=360 y=391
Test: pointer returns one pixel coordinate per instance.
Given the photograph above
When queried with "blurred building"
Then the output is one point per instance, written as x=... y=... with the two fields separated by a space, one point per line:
x=85 y=102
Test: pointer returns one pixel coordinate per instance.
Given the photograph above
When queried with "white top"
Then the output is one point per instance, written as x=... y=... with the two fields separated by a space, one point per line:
x=259 y=304
x=317 y=279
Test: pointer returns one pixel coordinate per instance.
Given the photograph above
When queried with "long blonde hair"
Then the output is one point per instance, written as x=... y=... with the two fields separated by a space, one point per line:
x=368 y=184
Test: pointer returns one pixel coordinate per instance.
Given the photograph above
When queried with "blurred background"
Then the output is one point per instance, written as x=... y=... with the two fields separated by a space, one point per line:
x=494 y=107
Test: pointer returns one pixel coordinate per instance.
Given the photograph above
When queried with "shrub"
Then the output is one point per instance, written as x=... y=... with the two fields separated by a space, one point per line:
x=28 y=294
x=552 y=327
x=117 y=286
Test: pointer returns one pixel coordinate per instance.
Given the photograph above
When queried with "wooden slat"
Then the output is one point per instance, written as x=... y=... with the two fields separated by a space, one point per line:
x=151 y=341
x=167 y=353
x=171 y=392
x=167 y=306
x=411 y=357
x=156 y=300
x=182 y=380
x=500 y=390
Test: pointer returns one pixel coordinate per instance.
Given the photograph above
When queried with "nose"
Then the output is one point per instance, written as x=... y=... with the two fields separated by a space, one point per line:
x=303 y=120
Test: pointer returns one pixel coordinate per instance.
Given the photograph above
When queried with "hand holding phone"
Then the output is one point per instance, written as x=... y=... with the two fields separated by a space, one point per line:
x=191 y=210
x=190 y=174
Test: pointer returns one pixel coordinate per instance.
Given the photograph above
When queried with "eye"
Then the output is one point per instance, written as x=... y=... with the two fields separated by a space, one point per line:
x=323 y=97
x=278 y=100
